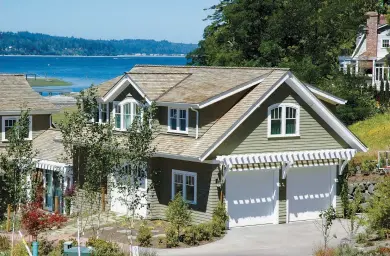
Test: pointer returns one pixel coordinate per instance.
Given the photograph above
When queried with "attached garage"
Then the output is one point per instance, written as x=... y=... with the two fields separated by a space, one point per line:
x=251 y=197
x=310 y=190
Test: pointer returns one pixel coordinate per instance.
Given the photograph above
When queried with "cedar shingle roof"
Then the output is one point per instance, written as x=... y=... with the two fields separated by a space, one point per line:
x=188 y=84
x=49 y=146
x=16 y=93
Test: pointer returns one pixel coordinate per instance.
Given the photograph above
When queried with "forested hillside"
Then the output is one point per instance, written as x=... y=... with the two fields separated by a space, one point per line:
x=25 y=43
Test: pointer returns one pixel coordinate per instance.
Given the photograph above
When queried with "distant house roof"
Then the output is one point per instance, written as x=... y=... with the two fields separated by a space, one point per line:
x=16 y=94
x=49 y=147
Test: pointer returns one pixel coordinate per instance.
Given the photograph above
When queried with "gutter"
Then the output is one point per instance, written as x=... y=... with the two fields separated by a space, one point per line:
x=197 y=122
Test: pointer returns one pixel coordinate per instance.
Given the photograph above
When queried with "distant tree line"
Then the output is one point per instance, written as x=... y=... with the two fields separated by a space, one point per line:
x=26 y=43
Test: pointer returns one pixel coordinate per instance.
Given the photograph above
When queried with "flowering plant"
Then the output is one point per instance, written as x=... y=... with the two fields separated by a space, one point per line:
x=70 y=191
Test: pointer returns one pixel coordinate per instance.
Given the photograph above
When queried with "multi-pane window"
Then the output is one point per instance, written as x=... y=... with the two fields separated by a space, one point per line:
x=283 y=120
x=178 y=120
x=185 y=184
x=10 y=121
x=385 y=43
x=103 y=113
x=276 y=121
x=125 y=113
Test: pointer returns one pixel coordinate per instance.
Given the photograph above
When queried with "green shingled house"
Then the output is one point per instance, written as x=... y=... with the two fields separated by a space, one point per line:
x=257 y=138
x=16 y=94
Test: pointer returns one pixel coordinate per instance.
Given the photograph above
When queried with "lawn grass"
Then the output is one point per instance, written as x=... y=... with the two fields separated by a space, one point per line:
x=47 y=82
x=59 y=116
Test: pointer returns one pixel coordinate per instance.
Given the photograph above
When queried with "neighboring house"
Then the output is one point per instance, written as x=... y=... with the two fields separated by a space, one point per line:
x=16 y=94
x=257 y=138
x=370 y=54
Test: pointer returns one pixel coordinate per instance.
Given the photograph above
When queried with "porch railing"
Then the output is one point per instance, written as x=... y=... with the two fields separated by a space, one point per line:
x=381 y=73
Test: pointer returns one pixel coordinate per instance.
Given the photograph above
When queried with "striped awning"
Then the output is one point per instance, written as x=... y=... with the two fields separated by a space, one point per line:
x=294 y=157
x=53 y=166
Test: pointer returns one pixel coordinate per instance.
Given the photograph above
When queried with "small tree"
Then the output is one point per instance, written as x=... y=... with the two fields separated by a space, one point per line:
x=387 y=93
x=378 y=212
x=351 y=209
x=178 y=213
x=382 y=92
x=324 y=225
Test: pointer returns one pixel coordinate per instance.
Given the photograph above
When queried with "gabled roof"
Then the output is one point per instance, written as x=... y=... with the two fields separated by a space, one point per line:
x=195 y=86
x=49 y=146
x=16 y=93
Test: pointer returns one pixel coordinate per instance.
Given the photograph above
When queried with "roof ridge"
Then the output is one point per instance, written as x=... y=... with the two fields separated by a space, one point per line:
x=164 y=93
x=210 y=67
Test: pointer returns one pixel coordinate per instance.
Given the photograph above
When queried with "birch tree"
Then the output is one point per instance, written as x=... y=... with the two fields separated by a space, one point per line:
x=20 y=175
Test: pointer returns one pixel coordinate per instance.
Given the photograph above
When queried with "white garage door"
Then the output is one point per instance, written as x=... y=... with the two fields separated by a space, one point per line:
x=310 y=190
x=251 y=197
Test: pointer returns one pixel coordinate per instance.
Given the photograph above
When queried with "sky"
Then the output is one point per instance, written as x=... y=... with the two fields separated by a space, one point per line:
x=172 y=20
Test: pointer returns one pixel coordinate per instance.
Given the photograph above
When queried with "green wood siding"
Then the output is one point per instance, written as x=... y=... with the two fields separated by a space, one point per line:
x=251 y=136
x=207 y=191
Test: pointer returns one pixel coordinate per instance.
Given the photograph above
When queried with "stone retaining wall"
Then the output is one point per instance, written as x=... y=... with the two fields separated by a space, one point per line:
x=367 y=189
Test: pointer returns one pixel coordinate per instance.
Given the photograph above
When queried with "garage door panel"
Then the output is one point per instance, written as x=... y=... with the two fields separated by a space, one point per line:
x=250 y=197
x=309 y=190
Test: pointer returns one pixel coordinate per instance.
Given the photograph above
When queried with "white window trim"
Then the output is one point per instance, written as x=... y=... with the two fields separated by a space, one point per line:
x=185 y=174
x=100 y=113
x=121 y=105
x=177 y=120
x=3 y=118
x=283 y=131
x=388 y=39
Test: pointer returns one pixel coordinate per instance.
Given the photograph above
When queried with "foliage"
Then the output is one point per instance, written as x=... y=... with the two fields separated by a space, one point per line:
x=361 y=238
x=324 y=252
x=191 y=235
x=378 y=212
x=352 y=208
x=178 y=213
x=144 y=237
x=217 y=228
x=324 y=225
x=25 y=43
x=19 y=250
x=220 y=217
x=259 y=33
x=5 y=243
x=104 y=248
x=35 y=220
x=45 y=247
x=172 y=237
x=205 y=232
x=147 y=252
x=368 y=166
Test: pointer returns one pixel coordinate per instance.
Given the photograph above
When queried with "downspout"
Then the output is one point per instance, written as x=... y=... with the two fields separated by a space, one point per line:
x=197 y=122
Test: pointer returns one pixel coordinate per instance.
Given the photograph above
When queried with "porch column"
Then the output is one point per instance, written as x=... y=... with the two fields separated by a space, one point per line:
x=373 y=72
x=357 y=67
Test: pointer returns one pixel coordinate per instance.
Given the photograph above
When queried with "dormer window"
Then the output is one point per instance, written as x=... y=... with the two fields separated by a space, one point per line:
x=283 y=120
x=10 y=121
x=178 y=120
x=125 y=113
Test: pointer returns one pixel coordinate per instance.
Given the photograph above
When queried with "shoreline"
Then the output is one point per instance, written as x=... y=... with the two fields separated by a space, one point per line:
x=95 y=56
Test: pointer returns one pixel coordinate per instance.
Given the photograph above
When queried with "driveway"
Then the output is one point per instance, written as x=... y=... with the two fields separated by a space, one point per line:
x=299 y=238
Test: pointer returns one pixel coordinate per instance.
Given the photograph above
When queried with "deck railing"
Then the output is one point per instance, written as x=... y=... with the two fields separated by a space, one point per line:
x=382 y=73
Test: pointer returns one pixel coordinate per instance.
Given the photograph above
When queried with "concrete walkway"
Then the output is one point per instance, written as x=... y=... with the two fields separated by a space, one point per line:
x=298 y=239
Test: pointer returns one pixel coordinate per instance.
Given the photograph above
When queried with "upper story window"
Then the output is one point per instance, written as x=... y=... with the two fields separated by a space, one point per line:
x=178 y=120
x=283 y=120
x=385 y=43
x=125 y=113
x=10 y=121
x=104 y=116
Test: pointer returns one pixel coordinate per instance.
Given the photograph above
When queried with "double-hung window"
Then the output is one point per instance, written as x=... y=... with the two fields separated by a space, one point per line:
x=104 y=116
x=283 y=120
x=385 y=43
x=184 y=183
x=10 y=121
x=125 y=113
x=178 y=120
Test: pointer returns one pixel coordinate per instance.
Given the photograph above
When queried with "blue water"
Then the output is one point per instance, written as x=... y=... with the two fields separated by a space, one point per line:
x=80 y=71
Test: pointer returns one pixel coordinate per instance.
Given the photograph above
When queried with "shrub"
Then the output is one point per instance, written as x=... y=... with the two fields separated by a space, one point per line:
x=45 y=247
x=104 y=248
x=19 y=250
x=368 y=167
x=147 y=252
x=324 y=252
x=217 y=228
x=172 y=239
x=204 y=231
x=346 y=250
x=5 y=243
x=178 y=213
x=361 y=238
x=190 y=235
x=220 y=217
x=144 y=237
x=378 y=212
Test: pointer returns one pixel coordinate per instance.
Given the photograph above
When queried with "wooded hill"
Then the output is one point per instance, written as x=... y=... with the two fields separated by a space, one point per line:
x=26 y=43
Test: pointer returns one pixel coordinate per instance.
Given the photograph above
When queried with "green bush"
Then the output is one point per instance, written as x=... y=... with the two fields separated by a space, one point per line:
x=204 y=232
x=104 y=248
x=171 y=236
x=178 y=213
x=5 y=243
x=220 y=217
x=19 y=250
x=345 y=250
x=368 y=167
x=45 y=247
x=217 y=228
x=361 y=238
x=190 y=235
x=147 y=252
x=144 y=237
